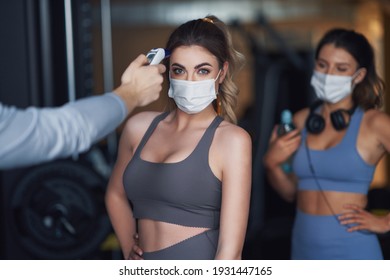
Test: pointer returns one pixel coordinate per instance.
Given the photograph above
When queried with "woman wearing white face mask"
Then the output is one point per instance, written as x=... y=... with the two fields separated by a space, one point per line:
x=182 y=178
x=338 y=143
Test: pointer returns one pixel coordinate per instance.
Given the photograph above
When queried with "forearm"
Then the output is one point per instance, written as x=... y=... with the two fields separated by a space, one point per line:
x=122 y=221
x=129 y=97
x=229 y=251
x=284 y=184
x=101 y=114
x=228 y=256
x=234 y=215
x=125 y=231
x=36 y=135
x=231 y=240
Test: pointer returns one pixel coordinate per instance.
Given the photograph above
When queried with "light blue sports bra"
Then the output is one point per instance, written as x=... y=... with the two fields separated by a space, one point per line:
x=339 y=168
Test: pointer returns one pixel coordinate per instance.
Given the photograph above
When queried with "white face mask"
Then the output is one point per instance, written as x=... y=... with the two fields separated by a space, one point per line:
x=332 y=88
x=192 y=96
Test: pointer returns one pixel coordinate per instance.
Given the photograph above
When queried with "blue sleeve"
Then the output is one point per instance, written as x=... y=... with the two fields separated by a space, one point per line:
x=35 y=135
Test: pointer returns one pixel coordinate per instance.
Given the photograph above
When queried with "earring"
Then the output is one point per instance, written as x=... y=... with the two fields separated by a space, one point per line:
x=219 y=105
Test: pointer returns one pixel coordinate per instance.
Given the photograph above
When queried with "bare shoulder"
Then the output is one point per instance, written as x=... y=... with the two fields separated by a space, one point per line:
x=376 y=120
x=300 y=118
x=141 y=119
x=231 y=145
x=229 y=135
x=137 y=125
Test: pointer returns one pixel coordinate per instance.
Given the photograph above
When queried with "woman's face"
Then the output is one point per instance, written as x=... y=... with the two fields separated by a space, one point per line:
x=335 y=61
x=193 y=63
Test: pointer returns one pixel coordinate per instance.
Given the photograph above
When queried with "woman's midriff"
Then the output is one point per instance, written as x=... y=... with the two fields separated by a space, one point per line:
x=328 y=202
x=156 y=235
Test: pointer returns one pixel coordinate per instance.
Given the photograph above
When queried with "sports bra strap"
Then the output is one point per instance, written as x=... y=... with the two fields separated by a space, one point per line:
x=149 y=131
x=354 y=125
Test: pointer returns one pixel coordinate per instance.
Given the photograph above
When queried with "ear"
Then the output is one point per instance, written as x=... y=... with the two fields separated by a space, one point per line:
x=360 y=76
x=224 y=70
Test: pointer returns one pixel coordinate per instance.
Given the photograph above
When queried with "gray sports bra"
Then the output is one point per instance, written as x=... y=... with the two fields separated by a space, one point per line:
x=185 y=193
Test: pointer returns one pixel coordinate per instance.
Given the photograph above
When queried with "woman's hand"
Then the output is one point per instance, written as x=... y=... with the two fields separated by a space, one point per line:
x=281 y=148
x=136 y=252
x=360 y=219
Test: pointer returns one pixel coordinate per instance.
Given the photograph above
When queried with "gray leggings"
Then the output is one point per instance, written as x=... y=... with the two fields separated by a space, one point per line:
x=202 y=246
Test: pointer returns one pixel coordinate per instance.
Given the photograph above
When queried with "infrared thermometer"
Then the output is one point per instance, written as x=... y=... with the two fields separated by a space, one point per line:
x=155 y=56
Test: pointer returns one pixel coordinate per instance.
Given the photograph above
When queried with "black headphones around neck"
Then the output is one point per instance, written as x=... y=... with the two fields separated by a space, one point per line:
x=315 y=123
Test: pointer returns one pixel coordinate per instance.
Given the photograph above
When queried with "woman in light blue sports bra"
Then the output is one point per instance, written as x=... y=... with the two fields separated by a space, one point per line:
x=339 y=141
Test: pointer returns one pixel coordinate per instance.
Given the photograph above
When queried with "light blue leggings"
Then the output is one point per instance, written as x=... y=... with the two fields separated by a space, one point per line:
x=323 y=238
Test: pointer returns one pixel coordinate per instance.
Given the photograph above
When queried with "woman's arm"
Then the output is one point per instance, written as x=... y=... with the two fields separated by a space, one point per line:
x=279 y=150
x=360 y=219
x=236 y=188
x=117 y=204
x=374 y=144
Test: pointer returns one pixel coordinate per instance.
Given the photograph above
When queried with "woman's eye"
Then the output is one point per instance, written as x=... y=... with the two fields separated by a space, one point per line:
x=203 y=71
x=321 y=65
x=177 y=71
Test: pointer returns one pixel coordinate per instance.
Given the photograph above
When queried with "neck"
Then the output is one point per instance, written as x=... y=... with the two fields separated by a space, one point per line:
x=344 y=104
x=182 y=119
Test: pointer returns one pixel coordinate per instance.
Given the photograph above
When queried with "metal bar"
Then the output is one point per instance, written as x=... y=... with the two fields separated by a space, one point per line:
x=46 y=53
x=108 y=69
x=70 y=51
x=107 y=45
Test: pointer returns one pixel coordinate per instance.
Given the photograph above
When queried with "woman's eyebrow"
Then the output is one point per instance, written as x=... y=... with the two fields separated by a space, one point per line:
x=178 y=65
x=343 y=63
x=196 y=67
x=202 y=64
x=337 y=63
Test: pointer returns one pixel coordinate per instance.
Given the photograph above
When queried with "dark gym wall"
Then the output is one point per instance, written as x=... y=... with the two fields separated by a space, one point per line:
x=18 y=53
x=35 y=217
x=18 y=83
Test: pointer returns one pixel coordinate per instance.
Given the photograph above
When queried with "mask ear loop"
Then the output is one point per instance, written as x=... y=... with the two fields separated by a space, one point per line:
x=219 y=101
x=356 y=73
x=354 y=76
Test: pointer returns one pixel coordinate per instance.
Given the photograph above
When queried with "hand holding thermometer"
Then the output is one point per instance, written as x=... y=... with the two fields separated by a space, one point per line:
x=155 y=56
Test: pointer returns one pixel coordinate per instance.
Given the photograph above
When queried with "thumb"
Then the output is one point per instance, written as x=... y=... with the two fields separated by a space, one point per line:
x=135 y=64
x=140 y=61
x=274 y=133
x=161 y=68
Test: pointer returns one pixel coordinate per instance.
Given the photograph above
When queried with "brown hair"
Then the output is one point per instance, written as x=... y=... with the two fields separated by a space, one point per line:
x=213 y=35
x=367 y=94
